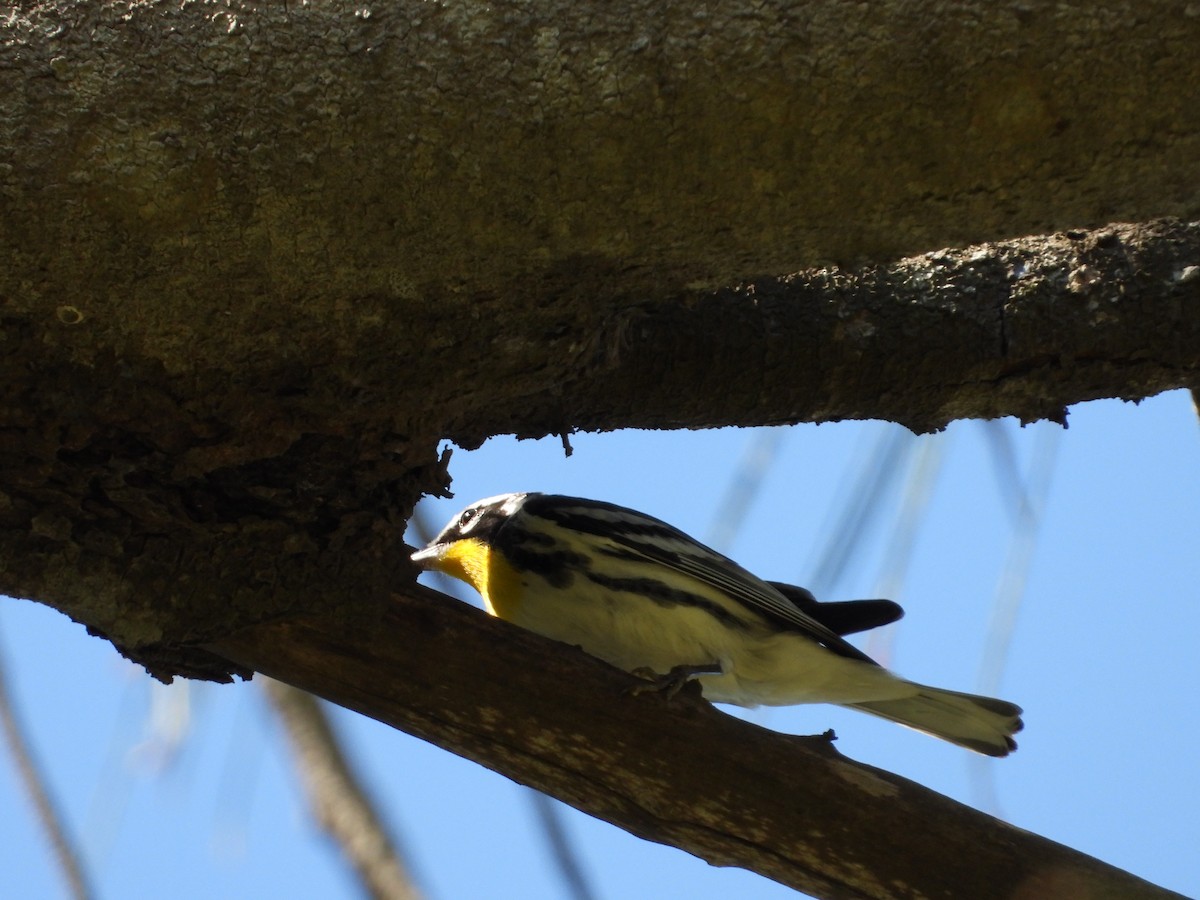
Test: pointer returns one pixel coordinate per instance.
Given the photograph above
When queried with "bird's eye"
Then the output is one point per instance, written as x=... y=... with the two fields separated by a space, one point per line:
x=465 y=519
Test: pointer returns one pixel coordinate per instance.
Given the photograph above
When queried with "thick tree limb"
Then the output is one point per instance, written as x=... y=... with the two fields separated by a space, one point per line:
x=134 y=496
x=1013 y=328
x=356 y=158
x=256 y=261
x=678 y=772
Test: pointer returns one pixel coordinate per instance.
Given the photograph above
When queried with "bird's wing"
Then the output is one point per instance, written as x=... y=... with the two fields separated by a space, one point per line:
x=638 y=536
x=686 y=556
x=845 y=616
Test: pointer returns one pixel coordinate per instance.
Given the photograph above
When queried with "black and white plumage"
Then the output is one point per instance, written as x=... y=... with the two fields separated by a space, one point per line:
x=640 y=594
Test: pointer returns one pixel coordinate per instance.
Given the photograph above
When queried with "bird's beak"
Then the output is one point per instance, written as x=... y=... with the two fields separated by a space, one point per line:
x=430 y=556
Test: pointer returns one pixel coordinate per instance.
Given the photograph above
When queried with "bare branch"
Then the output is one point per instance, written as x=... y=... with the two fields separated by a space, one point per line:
x=339 y=804
x=1021 y=328
x=576 y=884
x=677 y=772
x=170 y=151
x=246 y=296
x=48 y=815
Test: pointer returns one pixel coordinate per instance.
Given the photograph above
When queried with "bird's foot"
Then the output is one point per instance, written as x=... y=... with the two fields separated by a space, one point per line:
x=671 y=683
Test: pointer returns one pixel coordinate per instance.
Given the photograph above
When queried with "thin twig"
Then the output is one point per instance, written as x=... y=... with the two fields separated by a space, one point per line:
x=744 y=486
x=872 y=478
x=1028 y=499
x=562 y=849
x=897 y=555
x=337 y=798
x=68 y=855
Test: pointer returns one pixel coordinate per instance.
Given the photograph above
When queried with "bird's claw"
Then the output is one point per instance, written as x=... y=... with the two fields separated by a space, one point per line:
x=672 y=682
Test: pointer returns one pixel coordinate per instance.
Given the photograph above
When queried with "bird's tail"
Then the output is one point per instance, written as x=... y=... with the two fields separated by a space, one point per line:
x=977 y=723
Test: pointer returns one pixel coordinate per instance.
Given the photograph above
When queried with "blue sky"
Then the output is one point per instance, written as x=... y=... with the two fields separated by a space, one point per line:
x=188 y=791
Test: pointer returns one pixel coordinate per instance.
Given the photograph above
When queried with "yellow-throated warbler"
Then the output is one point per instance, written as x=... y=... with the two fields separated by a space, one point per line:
x=634 y=591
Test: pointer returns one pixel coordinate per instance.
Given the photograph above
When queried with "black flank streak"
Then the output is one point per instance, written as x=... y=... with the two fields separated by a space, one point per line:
x=664 y=595
x=631 y=555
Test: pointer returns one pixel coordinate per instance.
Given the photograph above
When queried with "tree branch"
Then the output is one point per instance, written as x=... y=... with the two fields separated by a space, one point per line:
x=159 y=153
x=678 y=772
x=256 y=261
x=260 y=494
x=1022 y=328
x=49 y=815
x=246 y=296
x=336 y=797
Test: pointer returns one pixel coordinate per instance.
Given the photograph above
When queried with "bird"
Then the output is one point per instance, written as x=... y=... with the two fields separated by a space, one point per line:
x=645 y=597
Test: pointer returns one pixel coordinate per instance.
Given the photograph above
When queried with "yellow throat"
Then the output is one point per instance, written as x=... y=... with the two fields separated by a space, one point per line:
x=475 y=562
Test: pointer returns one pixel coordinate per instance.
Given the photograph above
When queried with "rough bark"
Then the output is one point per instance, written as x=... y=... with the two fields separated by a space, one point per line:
x=349 y=158
x=163 y=509
x=678 y=772
x=257 y=261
